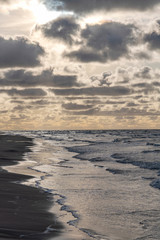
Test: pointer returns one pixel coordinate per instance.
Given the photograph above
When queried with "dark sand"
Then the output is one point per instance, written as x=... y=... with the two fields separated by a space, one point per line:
x=24 y=210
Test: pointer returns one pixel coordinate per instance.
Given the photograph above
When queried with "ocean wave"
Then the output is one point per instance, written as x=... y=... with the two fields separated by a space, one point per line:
x=153 y=144
x=93 y=234
x=145 y=165
x=117 y=171
x=155 y=183
x=151 y=151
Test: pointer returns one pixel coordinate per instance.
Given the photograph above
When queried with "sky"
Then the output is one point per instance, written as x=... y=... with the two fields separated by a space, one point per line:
x=79 y=64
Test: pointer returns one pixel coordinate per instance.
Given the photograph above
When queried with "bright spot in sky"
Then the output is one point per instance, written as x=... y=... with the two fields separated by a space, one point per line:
x=96 y=19
x=41 y=13
x=92 y=19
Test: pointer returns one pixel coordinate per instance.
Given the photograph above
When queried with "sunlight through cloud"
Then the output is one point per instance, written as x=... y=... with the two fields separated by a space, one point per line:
x=41 y=13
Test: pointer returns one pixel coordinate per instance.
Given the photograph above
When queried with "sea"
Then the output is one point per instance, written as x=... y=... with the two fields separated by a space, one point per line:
x=105 y=183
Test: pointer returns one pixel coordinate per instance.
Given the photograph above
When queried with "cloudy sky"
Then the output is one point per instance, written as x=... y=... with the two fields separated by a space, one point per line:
x=79 y=64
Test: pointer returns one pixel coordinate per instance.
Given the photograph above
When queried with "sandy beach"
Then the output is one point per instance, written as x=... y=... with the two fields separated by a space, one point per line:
x=24 y=210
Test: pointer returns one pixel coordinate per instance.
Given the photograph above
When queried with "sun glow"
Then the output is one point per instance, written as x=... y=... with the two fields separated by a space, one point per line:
x=41 y=13
x=96 y=19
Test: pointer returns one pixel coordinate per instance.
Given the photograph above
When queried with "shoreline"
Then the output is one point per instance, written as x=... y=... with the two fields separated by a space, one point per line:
x=24 y=210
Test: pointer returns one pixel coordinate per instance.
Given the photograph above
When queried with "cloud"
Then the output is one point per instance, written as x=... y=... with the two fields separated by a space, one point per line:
x=29 y=92
x=102 y=80
x=19 y=52
x=43 y=102
x=147 y=88
x=134 y=75
x=156 y=84
x=86 y=6
x=73 y=69
x=108 y=41
x=142 y=55
x=64 y=28
x=153 y=40
x=89 y=112
x=143 y=85
x=93 y=91
x=23 y=78
x=123 y=112
x=109 y=34
x=21 y=108
x=3 y=111
x=103 y=102
x=75 y=106
x=142 y=80
x=132 y=104
x=114 y=102
x=87 y=55
x=5 y=1
x=65 y=81
x=145 y=72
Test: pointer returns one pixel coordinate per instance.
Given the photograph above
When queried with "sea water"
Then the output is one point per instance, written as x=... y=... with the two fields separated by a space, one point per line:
x=105 y=184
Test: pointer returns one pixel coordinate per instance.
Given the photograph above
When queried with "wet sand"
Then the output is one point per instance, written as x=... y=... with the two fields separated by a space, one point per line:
x=24 y=210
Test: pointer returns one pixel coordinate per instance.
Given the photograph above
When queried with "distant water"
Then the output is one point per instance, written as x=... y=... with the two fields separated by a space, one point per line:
x=106 y=184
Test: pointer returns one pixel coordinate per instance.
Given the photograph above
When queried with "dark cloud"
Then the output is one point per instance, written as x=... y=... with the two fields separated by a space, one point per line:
x=132 y=104
x=108 y=41
x=123 y=112
x=5 y=1
x=143 y=101
x=29 y=92
x=87 y=55
x=94 y=101
x=114 y=102
x=64 y=28
x=31 y=105
x=43 y=103
x=138 y=97
x=144 y=72
x=110 y=34
x=81 y=98
x=102 y=80
x=147 y=88
x=142 y=55
x=143 y=85
x=93 y=91
x=103 y=103
x=85 y=6
x=89 y=112
x=153 y=40
x=23 y=78
x=19 y=52
x=156 y=84
x=134 y=112
x=21 y=108
x=65 y=81
x=40 y=102
x=17 y=101
x=75 y=106
x=3 y=111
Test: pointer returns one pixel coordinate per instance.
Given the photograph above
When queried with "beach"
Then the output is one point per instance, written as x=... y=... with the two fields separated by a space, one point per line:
x=80 y=185
x=24 y=210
